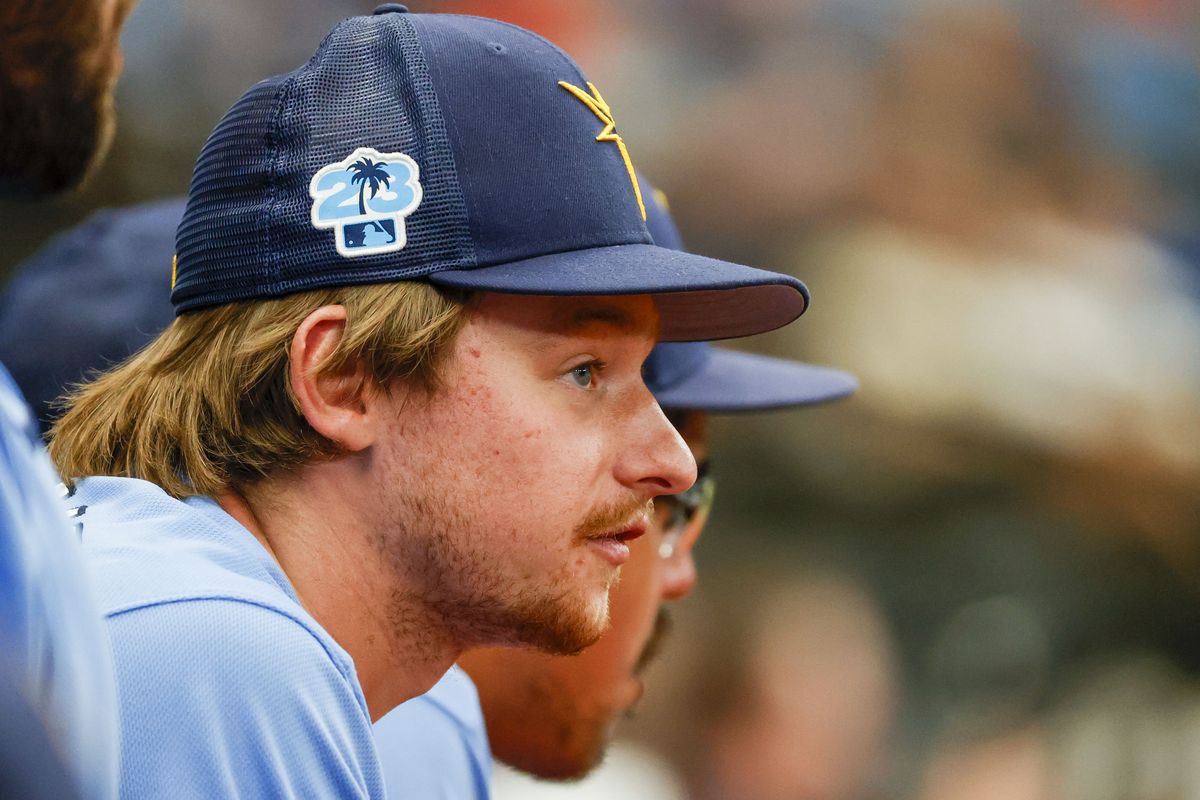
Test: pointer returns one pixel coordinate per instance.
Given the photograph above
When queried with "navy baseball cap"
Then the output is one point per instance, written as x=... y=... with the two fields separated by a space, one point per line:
x=699 y=377
x=89 y=298
x=460 y=150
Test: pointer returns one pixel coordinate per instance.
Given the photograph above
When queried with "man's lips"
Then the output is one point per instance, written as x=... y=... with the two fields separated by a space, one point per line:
x=613 y=546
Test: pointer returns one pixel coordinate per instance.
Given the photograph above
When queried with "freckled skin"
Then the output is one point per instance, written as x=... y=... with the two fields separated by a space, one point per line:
x=485 y=484
x=579 y=699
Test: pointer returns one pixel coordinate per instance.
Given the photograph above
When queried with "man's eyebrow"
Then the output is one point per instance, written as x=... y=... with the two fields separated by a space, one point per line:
x=604 y=315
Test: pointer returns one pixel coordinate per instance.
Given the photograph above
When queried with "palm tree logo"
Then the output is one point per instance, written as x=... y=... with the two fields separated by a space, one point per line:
x=388 y=189
x=368 y=173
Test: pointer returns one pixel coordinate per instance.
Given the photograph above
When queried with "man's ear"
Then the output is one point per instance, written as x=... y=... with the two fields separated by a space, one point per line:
x=336 y=405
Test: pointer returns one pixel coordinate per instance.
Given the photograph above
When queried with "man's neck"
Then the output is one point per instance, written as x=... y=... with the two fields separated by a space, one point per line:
x=399 y=647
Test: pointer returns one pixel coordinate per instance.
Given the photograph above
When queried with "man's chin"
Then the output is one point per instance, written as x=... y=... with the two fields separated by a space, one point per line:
x=565 y=637
x=573 y=764
x=557 y=628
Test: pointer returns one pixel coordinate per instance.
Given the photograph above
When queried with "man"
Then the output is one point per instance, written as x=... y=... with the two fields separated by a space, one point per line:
x=434 y=745
x=361 y=454
x=552 y=716
x=58 y=64
x=580 y=699
x=53 y=649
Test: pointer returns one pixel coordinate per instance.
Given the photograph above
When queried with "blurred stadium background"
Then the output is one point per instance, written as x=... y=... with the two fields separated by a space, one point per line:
x=979 y=578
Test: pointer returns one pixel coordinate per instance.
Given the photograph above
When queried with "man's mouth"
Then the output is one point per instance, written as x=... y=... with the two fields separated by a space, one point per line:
x=613 y=545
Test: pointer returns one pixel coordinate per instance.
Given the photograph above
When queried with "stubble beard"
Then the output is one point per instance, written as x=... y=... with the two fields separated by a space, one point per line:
x=432 y=544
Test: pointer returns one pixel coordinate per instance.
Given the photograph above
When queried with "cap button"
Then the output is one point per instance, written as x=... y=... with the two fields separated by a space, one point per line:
x=391 y=8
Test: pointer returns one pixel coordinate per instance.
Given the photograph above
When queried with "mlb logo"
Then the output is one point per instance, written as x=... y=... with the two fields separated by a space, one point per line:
x=371 y=235
x=365 y=198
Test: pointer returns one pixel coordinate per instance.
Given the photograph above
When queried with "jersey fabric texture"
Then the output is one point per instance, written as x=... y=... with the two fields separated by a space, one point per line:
x=227 y=686
x=52 y=639
x=435 y=746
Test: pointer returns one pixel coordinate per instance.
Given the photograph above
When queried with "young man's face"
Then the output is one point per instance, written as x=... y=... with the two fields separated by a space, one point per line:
x=509 y=493
x=553 y=716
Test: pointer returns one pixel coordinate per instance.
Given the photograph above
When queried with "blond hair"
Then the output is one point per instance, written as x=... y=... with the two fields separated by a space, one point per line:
x=208 y=405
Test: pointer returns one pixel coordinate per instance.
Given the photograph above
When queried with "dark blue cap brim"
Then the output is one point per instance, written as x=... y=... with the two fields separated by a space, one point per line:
x=698 y=298
x=732 y=381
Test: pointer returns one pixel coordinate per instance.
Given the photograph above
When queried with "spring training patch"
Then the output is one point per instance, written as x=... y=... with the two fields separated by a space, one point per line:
x=365 y=198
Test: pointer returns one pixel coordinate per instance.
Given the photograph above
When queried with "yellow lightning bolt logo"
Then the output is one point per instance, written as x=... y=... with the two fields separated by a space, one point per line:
x=600 y=108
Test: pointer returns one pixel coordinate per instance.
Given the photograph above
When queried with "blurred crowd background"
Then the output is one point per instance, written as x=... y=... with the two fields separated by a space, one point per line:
x=980 y=577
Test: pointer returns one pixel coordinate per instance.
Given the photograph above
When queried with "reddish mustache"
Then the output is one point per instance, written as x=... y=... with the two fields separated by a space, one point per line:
x=611 y=519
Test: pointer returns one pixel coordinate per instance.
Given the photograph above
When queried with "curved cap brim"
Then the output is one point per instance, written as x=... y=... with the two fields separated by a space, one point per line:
x=698 y=298
x=732 y=381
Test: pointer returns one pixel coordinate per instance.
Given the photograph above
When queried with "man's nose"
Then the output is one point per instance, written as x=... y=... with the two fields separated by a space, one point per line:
x=657 y=460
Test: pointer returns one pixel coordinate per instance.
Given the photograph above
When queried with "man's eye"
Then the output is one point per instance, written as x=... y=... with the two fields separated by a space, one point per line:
x=583 y=375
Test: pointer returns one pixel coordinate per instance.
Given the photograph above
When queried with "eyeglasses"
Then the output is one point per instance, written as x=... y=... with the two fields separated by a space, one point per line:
x=685 y=510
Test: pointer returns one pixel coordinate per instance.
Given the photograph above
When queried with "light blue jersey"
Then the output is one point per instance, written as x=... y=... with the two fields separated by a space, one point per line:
x=435 y=746
x=227 y=686
x=53 y=646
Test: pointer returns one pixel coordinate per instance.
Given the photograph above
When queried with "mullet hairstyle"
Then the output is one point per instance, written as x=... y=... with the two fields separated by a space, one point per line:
x=208 y=405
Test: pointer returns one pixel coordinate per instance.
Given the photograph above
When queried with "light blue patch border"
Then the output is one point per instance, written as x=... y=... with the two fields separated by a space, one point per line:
x=339 y=225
